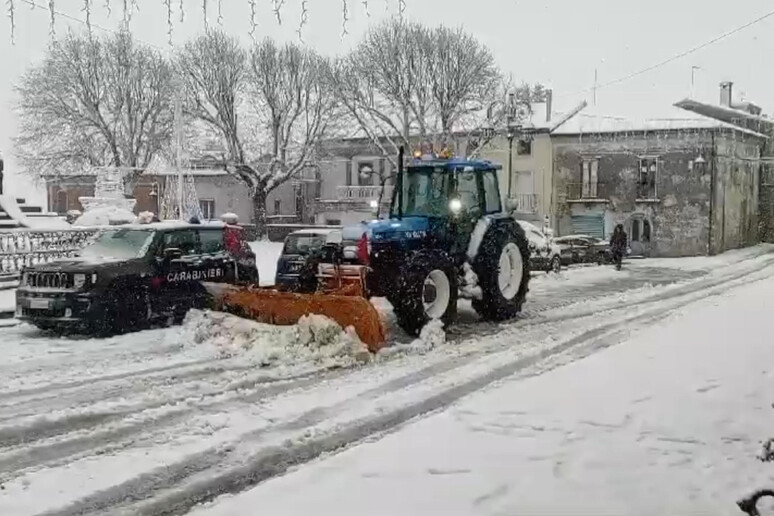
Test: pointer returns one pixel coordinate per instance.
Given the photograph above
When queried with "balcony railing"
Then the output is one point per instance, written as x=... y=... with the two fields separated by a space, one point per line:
x=363 y=193
x=20 y=247
x=524 y=203
x=587 y=191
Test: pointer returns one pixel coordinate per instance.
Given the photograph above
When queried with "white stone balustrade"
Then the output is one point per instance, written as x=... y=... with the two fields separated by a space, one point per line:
x=19 y=248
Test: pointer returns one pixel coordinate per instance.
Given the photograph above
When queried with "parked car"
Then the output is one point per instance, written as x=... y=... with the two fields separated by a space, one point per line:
x=301 y=254
x=544 y=254
x=583 y=249
x=132 y=275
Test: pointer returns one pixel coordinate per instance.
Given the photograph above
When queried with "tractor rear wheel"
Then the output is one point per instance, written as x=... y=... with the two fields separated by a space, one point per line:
x=502 y=267
x=426 y=290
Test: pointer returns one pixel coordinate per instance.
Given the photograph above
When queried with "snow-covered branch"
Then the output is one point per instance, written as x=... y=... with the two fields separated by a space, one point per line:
x=271 y=106
x=95 y=102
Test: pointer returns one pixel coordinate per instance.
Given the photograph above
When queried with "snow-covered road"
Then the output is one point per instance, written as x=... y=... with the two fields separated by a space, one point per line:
x=148 y=423
x=669 y=422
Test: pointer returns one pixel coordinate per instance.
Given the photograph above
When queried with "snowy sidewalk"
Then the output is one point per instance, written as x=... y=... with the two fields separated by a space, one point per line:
x=669 y=422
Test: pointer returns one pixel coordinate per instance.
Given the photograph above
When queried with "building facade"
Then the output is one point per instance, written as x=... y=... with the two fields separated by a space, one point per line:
x=354 y=175
x=748 y=116
x=679 y=187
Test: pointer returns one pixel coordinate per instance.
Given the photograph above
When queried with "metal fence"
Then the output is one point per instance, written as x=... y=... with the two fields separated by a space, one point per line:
x=22 y=247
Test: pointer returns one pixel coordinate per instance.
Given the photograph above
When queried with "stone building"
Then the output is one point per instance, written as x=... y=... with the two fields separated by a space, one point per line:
x=749 y=116
x=680 y=186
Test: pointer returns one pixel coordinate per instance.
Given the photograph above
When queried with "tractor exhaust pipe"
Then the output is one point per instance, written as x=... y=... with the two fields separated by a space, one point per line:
x=398 y=192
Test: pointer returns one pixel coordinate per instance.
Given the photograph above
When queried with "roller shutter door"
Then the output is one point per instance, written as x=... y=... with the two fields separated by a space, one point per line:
x=593 y=225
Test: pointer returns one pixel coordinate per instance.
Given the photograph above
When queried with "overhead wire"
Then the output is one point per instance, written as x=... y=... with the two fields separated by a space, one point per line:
x=673 y=58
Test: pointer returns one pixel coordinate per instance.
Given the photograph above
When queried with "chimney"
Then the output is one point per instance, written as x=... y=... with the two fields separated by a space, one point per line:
x=726 y=90
x=549 y=104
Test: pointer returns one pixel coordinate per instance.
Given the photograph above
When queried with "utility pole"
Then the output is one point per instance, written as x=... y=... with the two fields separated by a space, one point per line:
x=595 y=87
x=178 y=128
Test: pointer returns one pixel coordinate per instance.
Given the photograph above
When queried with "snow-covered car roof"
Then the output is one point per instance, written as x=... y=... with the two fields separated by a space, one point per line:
x=314 y=231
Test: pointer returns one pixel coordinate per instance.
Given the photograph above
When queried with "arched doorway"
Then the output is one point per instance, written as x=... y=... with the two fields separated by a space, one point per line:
x=640 y=233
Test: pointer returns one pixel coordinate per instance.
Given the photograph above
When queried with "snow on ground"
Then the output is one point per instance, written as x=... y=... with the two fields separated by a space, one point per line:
x=668 y=422
x=266 y=255
x=129 y=424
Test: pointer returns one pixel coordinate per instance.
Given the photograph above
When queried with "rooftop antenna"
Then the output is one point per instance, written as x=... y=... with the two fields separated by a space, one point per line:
x=596 y=76
x=693 y=76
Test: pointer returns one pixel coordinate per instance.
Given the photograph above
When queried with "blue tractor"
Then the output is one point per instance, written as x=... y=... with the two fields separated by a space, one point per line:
x=447 y=235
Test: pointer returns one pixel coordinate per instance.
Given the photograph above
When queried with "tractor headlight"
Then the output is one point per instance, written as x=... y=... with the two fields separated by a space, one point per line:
x=79 y=280
x=455 y=206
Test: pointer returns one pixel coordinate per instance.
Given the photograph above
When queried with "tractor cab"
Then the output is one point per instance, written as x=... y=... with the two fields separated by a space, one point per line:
x=440 y=200
x=433 y=187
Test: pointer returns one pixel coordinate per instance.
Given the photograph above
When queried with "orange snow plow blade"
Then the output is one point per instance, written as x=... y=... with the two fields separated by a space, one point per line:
x=286 y=308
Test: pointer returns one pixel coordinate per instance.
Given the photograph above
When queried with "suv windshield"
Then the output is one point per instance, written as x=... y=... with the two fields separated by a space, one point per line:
x=303 y=244
x=123 y=244
x=425 y=192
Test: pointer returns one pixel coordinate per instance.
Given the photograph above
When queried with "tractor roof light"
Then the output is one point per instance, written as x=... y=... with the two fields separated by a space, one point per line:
x=446 y=153
x=455 y=206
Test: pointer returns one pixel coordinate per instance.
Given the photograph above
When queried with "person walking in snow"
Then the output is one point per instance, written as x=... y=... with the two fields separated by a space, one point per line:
x=618 y=245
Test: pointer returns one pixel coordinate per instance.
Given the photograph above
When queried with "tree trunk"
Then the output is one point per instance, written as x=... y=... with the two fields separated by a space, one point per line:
x=259 y=213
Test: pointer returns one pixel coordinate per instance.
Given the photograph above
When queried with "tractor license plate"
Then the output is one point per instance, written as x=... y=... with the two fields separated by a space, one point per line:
x=40 y=304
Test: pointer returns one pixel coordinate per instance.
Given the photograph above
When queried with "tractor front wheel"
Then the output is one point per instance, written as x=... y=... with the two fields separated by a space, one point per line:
x=502 y=267
x=427 y=290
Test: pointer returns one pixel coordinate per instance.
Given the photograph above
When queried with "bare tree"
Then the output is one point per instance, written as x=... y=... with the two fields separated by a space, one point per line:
x=271 y=106
x=94 y=102
x=406 y=84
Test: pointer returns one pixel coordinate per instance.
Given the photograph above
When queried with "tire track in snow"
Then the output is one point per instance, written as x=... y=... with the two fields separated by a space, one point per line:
x=87 y=392
x=170 y=490
x=257 y=389
x=115 y=439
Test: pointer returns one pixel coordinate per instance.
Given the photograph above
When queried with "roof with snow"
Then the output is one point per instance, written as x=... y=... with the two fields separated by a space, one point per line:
x=596 y=123
x=727 y=114
x=541 y=120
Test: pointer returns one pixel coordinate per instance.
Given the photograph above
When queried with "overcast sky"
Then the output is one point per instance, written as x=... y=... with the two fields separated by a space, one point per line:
x=556 y=42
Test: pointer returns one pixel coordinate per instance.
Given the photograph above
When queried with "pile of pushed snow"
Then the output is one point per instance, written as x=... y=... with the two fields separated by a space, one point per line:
x=315 y=339
x=431 y=336
x=105 y=216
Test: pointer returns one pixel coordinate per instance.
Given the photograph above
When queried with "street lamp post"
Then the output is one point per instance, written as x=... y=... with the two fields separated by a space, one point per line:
x=510 y=134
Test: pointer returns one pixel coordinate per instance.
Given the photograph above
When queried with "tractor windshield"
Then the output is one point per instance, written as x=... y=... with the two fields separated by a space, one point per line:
x=425 y=192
